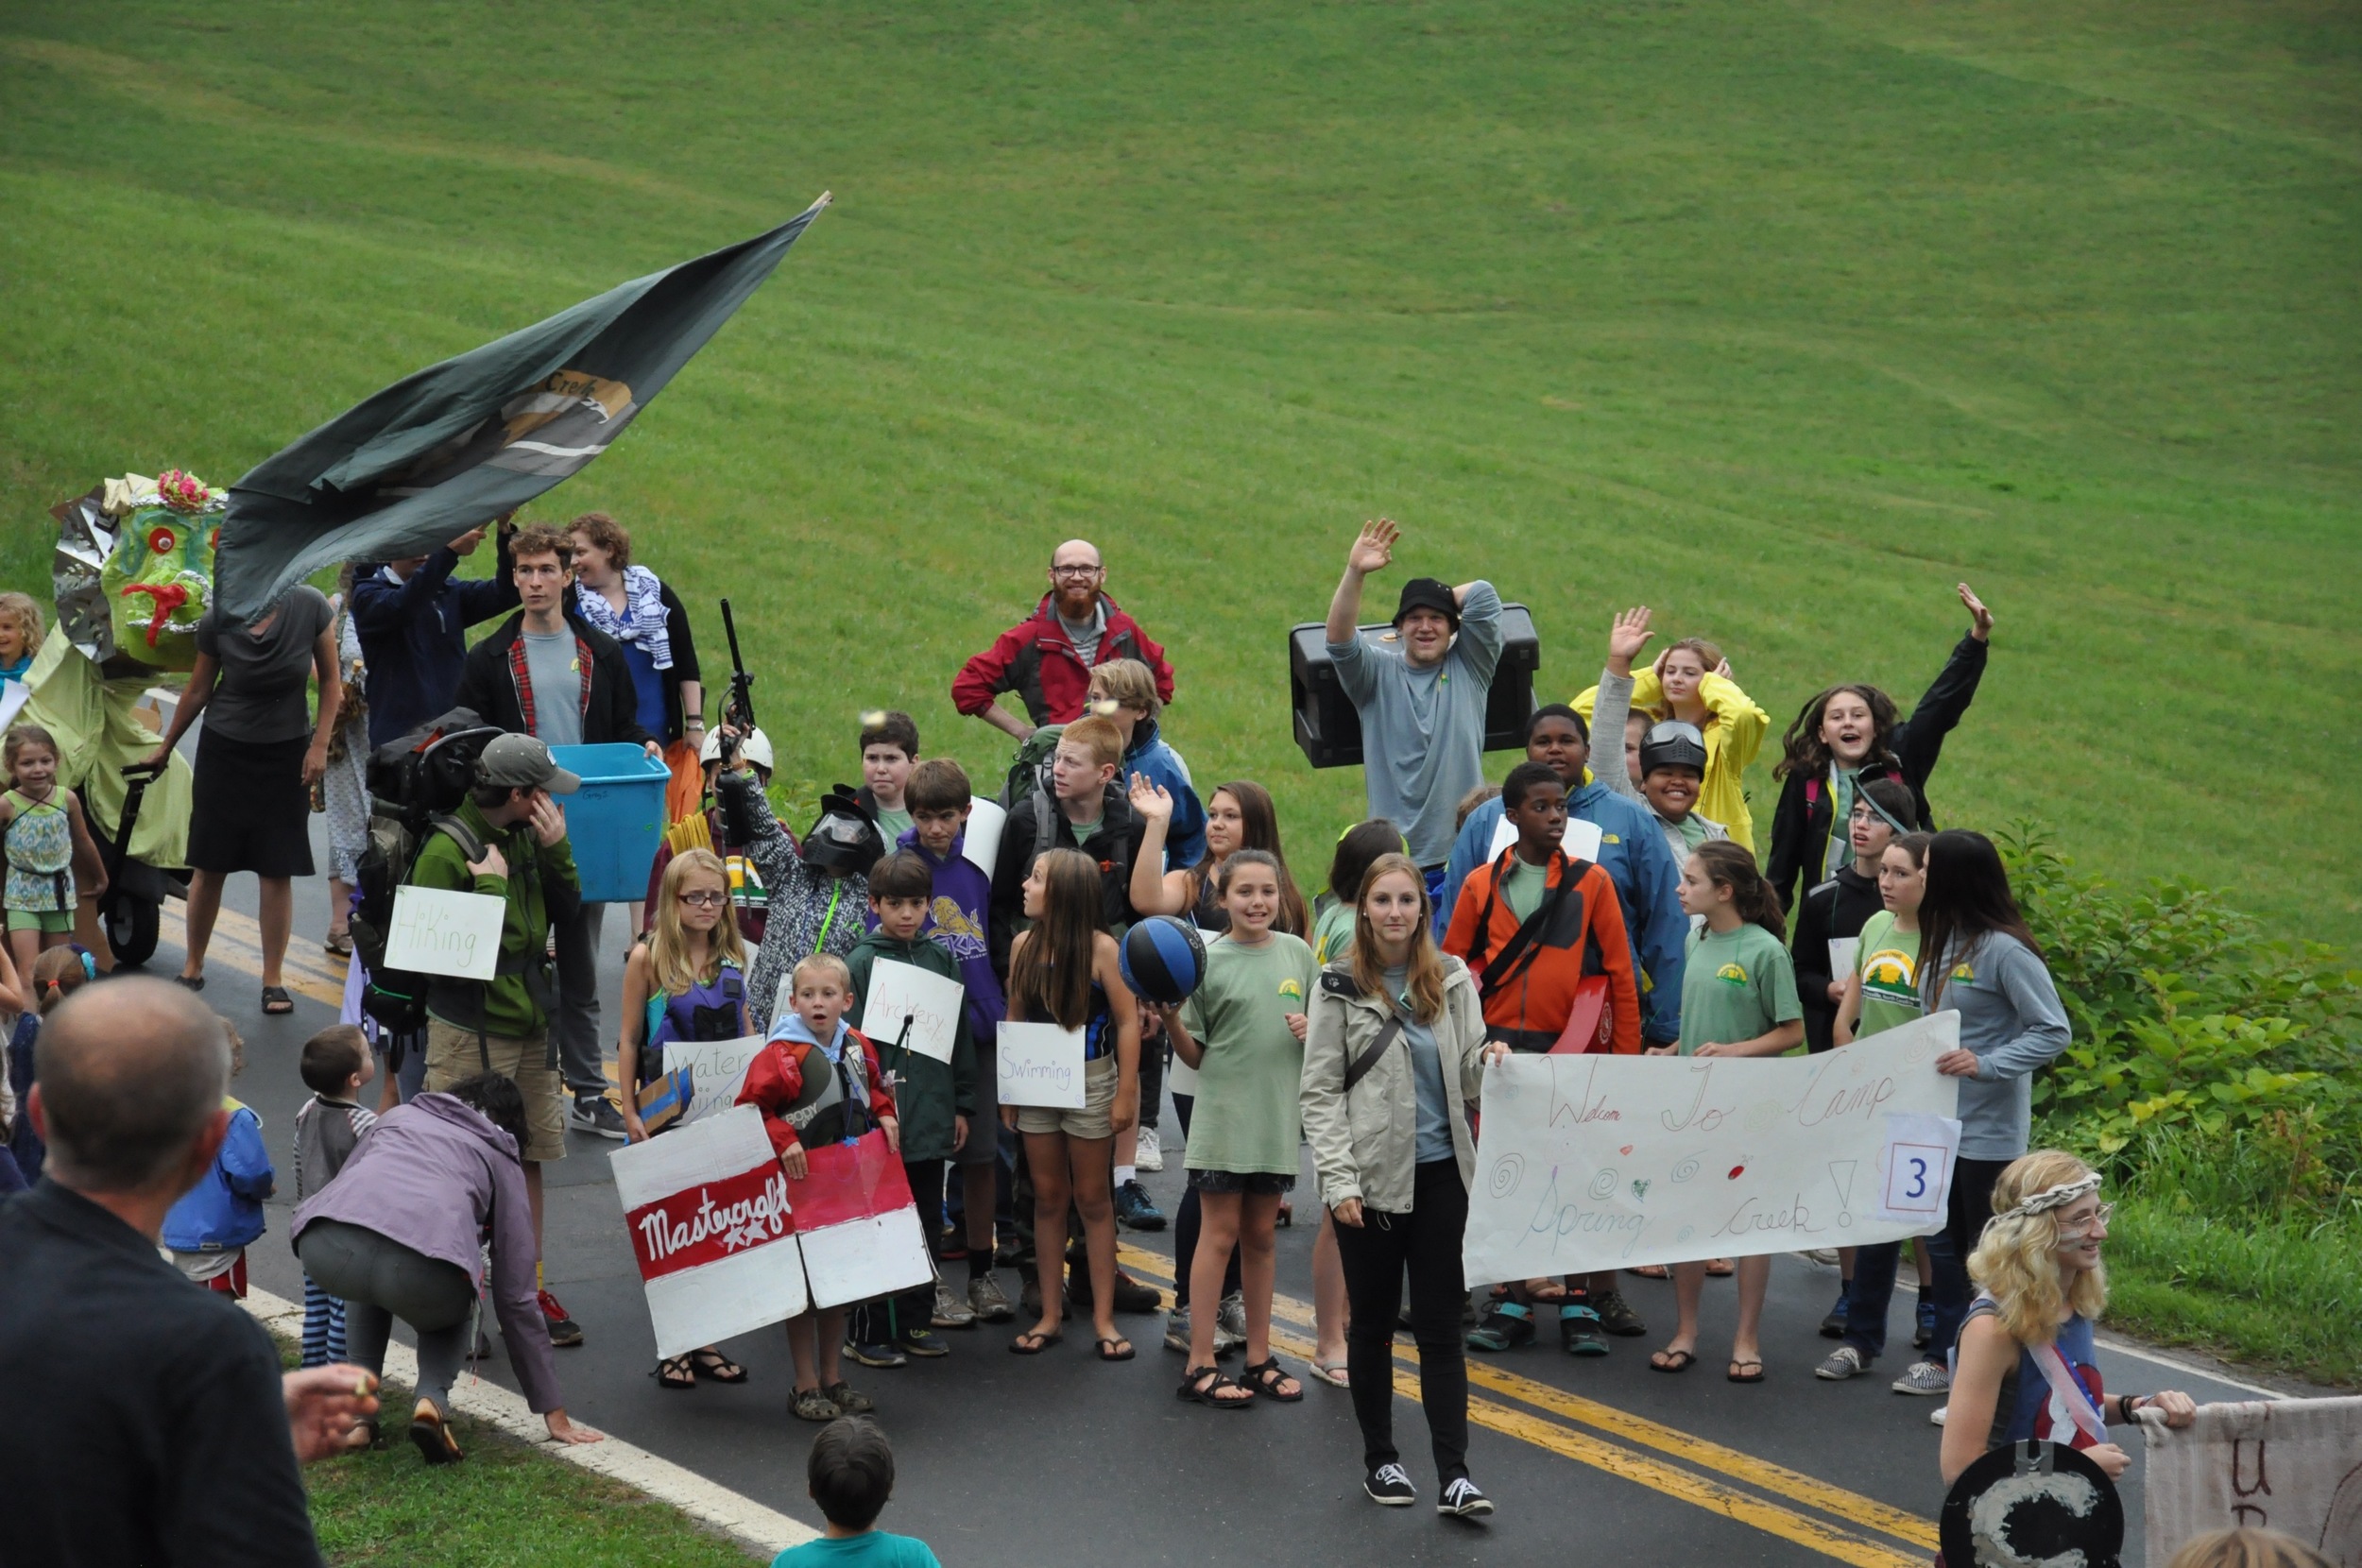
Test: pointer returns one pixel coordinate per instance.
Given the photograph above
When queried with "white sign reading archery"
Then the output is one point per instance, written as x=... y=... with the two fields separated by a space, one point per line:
x=1040 y=1064
x=1581 y=841
x=981 y=846
x=436 y=931
x=1585 y=1164
x=931 y=1003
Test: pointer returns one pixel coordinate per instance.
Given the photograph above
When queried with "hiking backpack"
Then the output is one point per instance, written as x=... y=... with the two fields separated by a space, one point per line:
x=416 y=783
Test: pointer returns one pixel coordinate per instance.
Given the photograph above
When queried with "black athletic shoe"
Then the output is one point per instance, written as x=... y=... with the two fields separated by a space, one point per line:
x=1579 y=1331
x=1617 y=1316
x=1390 y=1486
x=1833 y=1326
x=1462 y=1500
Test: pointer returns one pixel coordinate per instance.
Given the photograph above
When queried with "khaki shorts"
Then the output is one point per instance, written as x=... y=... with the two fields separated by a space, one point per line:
x=452 y=1055
x=1096 y=1119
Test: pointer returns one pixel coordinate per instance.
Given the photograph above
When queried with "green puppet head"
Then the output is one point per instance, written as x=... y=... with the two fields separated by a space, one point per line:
x=158 y=579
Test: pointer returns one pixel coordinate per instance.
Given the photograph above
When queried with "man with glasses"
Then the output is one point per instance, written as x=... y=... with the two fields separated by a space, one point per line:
x=1047 y=658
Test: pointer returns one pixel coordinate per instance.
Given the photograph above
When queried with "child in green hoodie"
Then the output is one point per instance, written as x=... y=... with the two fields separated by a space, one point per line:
x=937 y=1100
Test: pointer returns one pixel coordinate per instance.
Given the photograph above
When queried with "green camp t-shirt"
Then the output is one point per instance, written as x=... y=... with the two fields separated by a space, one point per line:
x=1333 y=932
x=892 y=824
x=1888 y=962
x=1245 y=1115
x=1523 y=887
x=1736 y=985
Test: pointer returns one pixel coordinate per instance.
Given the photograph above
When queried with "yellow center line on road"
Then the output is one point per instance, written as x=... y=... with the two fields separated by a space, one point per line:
x=1685 y=1484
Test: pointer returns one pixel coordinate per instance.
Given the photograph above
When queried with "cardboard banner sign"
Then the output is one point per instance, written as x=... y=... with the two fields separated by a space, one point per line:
x=1040 y=1064
x=436 y=931
x=981 y=845
x=2283 y=1464
x=857 y=1224
x=706 y=1208
x=1585 y=1164
x=928 y=1001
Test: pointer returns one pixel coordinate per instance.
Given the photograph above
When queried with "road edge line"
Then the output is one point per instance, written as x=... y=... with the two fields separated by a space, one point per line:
x=741 y=1518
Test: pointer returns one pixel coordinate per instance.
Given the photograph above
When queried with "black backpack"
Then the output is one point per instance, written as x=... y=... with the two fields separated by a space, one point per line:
x=415 y=784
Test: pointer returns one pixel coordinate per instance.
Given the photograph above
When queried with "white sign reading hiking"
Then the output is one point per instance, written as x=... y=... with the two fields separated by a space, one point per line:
x=436 y=931
x=1587 y=1164
x=929 y=1002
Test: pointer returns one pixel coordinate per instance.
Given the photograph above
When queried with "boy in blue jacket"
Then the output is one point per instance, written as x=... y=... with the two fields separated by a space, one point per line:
x=210 y=1228
x=958 y=910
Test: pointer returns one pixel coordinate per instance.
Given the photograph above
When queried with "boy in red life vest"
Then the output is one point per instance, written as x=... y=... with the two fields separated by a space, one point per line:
x=1532 y=926
x=817 y=1082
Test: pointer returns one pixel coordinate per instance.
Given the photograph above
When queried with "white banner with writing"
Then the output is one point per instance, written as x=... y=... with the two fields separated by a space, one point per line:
x=436 y=931
x=1591 y=1163
x=2286 y=1465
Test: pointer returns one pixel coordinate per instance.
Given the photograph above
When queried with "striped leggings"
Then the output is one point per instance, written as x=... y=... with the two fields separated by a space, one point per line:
x=323 y=1326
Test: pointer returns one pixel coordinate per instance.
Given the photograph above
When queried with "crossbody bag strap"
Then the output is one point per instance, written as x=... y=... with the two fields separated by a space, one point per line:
x=1524 y=947
x=1359 y=1067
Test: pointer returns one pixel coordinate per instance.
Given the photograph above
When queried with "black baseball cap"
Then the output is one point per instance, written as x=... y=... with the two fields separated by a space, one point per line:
x=1428 y=593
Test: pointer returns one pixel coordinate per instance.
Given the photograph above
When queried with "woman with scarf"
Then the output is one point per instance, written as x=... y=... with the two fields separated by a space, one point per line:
x=646 y=620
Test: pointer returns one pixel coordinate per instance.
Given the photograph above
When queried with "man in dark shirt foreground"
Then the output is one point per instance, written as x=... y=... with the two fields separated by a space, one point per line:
x=143 y=1421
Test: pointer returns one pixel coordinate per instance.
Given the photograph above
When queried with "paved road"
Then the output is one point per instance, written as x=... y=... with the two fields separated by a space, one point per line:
x=1011 y=1461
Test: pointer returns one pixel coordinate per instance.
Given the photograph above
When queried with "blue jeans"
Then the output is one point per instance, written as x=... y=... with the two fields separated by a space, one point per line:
x=1869 y=1294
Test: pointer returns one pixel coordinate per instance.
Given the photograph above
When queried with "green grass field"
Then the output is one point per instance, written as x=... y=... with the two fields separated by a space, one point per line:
x=1780 y=317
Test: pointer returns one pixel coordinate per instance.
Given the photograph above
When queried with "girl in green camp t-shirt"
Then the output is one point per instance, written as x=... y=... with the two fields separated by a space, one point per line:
x=1739 y=998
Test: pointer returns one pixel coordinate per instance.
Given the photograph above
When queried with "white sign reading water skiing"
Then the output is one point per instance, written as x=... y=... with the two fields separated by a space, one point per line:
x=1592 y=1162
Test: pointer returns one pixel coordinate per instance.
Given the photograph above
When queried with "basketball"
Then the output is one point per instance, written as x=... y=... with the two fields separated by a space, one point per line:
x=1163 y=959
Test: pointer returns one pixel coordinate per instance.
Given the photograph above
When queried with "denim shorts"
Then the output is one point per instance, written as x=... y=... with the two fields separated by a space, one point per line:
x=1256 y=1184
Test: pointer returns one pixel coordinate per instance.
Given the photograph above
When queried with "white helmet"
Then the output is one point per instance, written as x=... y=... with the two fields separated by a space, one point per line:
x=755 y=749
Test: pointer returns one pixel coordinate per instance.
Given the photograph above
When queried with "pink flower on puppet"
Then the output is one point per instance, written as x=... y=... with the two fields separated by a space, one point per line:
x=182 y=491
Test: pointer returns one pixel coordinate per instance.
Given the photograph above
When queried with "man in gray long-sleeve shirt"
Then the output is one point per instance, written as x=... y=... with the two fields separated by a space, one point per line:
x=1422 y=703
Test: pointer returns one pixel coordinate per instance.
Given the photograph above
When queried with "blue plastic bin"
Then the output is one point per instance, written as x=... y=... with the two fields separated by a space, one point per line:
x=616 y=820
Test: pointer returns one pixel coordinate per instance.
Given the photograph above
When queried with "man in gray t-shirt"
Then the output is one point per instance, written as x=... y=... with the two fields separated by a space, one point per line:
x=1421 y=694
x=551 y=661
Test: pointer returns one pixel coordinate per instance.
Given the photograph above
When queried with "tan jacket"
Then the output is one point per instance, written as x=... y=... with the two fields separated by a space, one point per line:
x=1363 y=1144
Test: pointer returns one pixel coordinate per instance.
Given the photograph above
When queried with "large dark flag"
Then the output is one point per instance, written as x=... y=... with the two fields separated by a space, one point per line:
x=455 y=445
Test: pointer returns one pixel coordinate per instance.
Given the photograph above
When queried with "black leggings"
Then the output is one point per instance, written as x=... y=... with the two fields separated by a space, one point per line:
x=1374 y=1254
x=1185 y=1227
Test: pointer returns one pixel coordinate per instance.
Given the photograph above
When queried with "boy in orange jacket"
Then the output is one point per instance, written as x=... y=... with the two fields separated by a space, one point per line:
x=1533 y=927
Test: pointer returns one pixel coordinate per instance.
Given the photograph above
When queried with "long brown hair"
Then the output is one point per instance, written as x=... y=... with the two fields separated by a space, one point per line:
x=1425 y=968
x=1050 y=970
x=1968 y=898
x=1802 y=749
x=1733 y=866
x=1258 y=828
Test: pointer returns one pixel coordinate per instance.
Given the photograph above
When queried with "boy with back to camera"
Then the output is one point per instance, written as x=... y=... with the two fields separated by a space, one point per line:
x=937 y=1102
x=850 y=1476
x=336 y=1065
x=959 y=914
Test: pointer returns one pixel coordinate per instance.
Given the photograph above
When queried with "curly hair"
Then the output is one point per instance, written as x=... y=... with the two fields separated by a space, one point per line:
x=608 y=535
x=21 y=609
x=2016 y=1260
x=1802 y=749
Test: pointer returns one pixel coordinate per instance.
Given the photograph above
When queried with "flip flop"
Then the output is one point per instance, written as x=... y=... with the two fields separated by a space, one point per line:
x=1735 y=1376
x=1720 y=1267
x=1673 y=1361
x=1040 y=1342
x=1649 y=1272
x=189 y=982
x=1330 y=1372
x=338 y=945
x=1123 y=1352
x=276 y=1002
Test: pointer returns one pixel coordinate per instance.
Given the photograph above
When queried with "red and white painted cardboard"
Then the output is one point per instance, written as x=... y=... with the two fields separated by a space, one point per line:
x=857 y=1224
x=713 y=1229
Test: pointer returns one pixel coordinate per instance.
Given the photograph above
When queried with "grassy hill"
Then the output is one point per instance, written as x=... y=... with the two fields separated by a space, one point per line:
x=1780 y=317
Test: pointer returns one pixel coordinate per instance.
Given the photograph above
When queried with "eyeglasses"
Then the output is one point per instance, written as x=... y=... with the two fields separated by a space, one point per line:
x=706 y=900
x=2098 y=1222
x=1076 y=571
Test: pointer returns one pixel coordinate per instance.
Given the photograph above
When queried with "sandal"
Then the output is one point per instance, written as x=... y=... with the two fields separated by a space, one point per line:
x=1330 y=1372
x=1121 y=1350
x=1650 y=1271
x=275 y=1001
x=338 y=944
x=1266 y=1376
x=673 y=1373
x=1204 y=1386
x=1672 y=1360
x=189 y=982
x=1285 y=1217
x=1720 y=1267
x=812 y=1405
x=1738 y=1376
x=714 y=1367
x=1034 y=1341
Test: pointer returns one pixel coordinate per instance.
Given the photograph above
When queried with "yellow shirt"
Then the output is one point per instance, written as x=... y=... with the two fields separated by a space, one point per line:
x=1734 y=729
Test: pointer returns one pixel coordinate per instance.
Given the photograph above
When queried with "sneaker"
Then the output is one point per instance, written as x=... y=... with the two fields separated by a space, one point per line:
x=1924 y=1377
x=1462 y=1500
x=950 y=1312
x=1935 y=1416
x=1925 y=1329
x=1177 y=1330
x=925 y=1343
x=1506 y=1327
x=595 y=1115
x=1148 y=1154
x=990 y=1301
x=1134 y=1212
x=563 y=1330
x=1230 y=1324
x=1579 y=1332
x=877 y=1356
x=1833 y=1326
x=1617 y=1316
x=1388 y=1485
x=1841 y=1363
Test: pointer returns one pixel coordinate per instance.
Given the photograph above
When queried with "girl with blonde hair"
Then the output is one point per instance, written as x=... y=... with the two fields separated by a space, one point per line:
x=686 y=982
x=2025 y=1366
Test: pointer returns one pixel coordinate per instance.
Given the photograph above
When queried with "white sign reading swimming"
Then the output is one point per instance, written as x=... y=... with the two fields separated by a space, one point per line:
x=1040 y=1064
x=436 y=931
x=1592 y=1162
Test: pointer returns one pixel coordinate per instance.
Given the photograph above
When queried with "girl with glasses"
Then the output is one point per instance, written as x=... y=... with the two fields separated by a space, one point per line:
x=685 y=981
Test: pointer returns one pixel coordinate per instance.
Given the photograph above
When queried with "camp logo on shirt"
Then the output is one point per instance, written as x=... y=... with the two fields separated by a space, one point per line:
x=1965 y=975
x=1889 y=975
x=1291 y=987
x=1732 y=974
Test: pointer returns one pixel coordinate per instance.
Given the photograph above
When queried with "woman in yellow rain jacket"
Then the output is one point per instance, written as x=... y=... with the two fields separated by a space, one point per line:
x=1691 y=681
